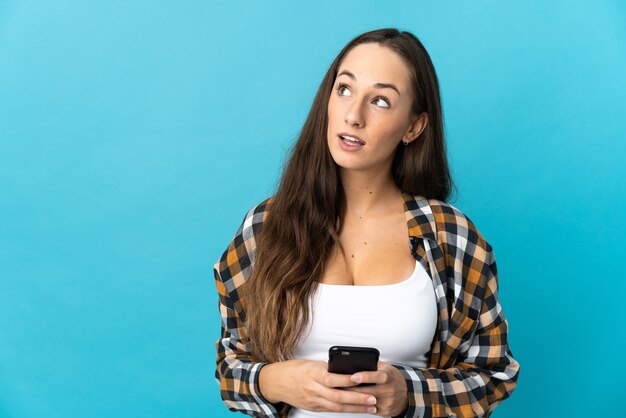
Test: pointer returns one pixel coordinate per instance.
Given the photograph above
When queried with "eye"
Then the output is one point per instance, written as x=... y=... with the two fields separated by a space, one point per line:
x=379 y=101
x=341 y=88
x=383 y=100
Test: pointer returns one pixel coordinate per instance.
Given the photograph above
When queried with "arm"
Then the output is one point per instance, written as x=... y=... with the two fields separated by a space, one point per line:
x=237 y=372
x=485 y=374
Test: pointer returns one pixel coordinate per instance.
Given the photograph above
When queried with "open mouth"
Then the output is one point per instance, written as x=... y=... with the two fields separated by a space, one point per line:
x=351 y=140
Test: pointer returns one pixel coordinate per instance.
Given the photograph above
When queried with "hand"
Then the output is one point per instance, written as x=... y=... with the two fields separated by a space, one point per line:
x=390 y=389
x=307 y=384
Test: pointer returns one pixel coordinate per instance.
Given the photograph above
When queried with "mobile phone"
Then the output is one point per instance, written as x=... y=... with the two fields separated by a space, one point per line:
x=350 y=360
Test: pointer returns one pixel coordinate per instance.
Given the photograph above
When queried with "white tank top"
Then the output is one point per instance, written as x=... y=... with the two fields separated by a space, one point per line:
x=398 y=319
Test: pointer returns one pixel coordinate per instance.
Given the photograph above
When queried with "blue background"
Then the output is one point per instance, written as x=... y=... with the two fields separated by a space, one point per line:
x=134 y=136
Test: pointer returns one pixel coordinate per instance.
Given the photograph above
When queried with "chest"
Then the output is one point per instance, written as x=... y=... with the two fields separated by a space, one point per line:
x=376 y=252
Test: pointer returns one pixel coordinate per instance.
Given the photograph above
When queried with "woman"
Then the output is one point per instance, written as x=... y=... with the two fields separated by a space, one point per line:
x=359 y=247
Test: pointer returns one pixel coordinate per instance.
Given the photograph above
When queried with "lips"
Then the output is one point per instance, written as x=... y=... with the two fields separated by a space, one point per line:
x=351 y=139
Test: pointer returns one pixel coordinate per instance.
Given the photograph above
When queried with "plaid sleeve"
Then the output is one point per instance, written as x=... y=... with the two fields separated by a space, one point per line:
x=237 y=371
x=485 y=377
x=484 y=372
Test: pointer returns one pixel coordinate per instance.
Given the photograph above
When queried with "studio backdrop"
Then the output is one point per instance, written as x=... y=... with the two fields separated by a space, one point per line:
x=134 y=137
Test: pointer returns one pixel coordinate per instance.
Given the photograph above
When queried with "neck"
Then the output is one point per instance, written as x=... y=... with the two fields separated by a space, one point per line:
x=368 y=193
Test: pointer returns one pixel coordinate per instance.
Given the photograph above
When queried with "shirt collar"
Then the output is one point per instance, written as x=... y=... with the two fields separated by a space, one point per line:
x=419 y=217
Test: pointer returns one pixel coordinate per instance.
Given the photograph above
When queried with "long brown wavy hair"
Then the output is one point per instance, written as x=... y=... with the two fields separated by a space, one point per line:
x=305 y=215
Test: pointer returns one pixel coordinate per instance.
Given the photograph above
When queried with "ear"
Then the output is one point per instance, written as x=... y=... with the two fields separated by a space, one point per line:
x=417 y=126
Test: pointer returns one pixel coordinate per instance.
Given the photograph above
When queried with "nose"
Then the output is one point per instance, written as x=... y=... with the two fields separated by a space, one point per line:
x=354 y=115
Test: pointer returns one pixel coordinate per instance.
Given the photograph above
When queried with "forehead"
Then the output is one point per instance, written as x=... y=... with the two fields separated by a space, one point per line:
x=372 y=63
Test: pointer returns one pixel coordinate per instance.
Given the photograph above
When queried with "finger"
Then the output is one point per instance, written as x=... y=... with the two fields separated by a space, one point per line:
x=379 y=377
x=334 y=380
x=329 y=406
x=373 y=390
x=346 y=397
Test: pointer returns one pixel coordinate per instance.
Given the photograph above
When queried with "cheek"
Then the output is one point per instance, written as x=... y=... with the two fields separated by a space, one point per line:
x=329 y=115
x=332 y=110
x=396 y=127
x=334 y=121
x=390 y=131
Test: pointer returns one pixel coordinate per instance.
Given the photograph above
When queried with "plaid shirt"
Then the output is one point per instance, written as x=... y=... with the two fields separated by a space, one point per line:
x=470 y=366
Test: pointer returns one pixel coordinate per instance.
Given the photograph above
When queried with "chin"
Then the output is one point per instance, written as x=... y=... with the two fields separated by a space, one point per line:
x=348 y=163
x=342 y=160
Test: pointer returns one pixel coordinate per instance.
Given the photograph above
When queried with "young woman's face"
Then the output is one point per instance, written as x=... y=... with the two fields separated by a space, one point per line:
x=370 y=102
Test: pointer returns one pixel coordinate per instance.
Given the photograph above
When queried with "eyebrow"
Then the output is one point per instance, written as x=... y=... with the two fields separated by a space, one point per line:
x=377 y=85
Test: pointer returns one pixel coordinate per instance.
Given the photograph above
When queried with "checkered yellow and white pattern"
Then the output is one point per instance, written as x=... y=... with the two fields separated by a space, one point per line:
x=470 y=369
